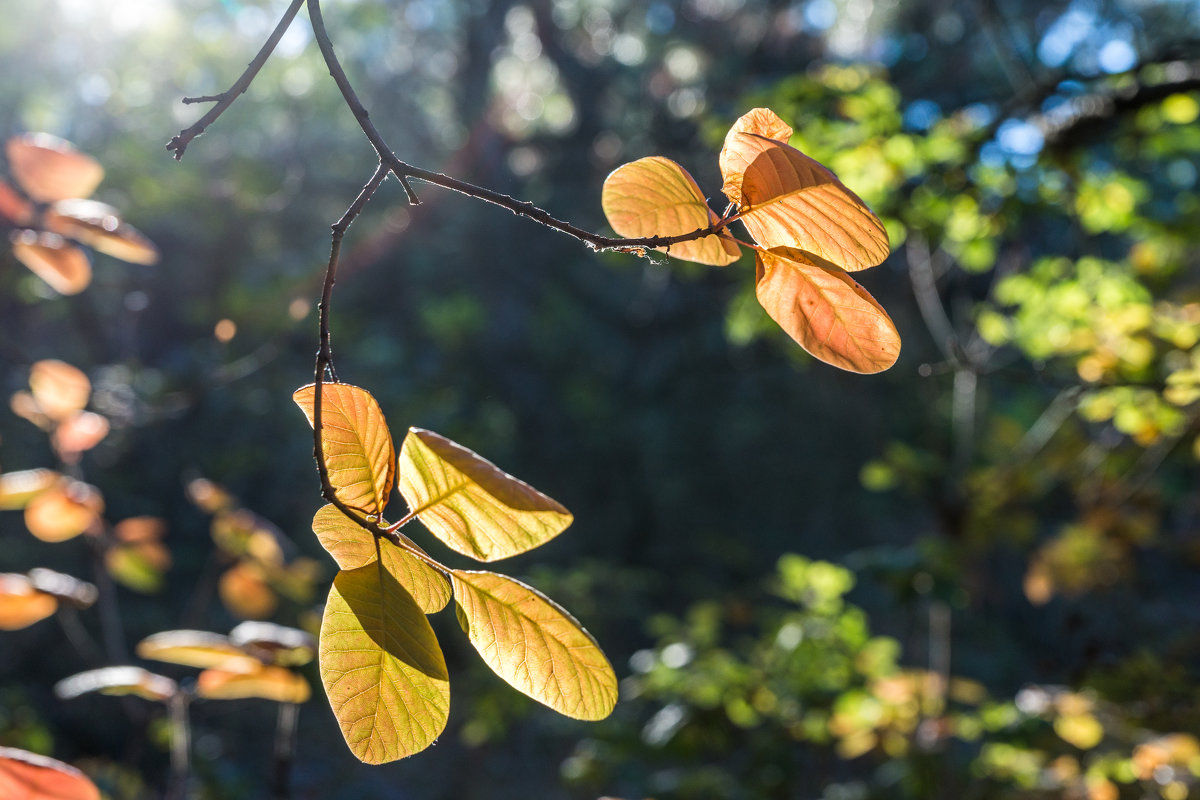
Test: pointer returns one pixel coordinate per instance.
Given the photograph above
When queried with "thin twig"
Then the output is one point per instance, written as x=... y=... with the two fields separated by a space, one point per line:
x=404 y=171
x=284 y=751
x=224 y=100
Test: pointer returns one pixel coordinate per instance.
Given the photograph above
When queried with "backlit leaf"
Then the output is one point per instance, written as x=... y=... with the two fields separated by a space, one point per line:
x=49 y=168
x=382 y=668
x=196 y=649
x=654 y=196
x=14 y=209
x=266 y=682
x=63 y=587
x=826 y=312
x=21 y=604
x=471 y=505
x=790 y=200
x=27 y=776
x=356 y=443
x=353 y=547
x=18 y=488
x=760 y=121
x=63 y=511
x=78 y=433
x=63 y=266
x=534 y=645
x=117 y=681
x=244 y=590
x=98 y=226
x=61 y=390
x=275 y=644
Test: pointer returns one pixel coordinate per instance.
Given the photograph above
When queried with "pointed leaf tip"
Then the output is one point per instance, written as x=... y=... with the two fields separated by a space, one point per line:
x=654 y=196
x=382 y=667
x=535 y=645
x=358 y=450
x=826 y=311
x=470 y=504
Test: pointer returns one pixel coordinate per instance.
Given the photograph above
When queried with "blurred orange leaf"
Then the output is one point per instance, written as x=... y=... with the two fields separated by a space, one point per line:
x=357 y=446
x=78 y=433
x=60 y=389
x=245 y=592
x=63 y=266
x=266 y=682
x=470 y=504
x=98 y=226
x=49 y=168
x=825 y=311
x=63 y=511
x=27 y=776
x=202 y=649
x=21 y=604
x=654 y=196
x=14 y=208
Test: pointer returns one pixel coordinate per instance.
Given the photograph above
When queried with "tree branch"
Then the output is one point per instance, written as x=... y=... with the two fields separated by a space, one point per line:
x=404 y=171
x=224 y=100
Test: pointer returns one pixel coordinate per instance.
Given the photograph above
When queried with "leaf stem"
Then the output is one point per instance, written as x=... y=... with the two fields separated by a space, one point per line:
x=179 y=143
x=284 y=750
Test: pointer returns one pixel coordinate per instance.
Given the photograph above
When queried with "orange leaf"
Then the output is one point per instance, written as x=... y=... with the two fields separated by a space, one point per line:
x=98 y=226
x=21 y=604
x=196 y=649
x=790 y=200
x=654 y=196
x=79 y=432
x=760 y=121
x=357 y=446
x=267 y=682
x=245 y=592
x=49 y=168
x=825 y=311
x=14 y=208
x=27 y=776
x=63 y=511
x=60 y=389
x=63 y=266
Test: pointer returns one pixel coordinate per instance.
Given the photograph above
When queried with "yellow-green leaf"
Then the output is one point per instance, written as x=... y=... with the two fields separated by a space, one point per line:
x=382 y=668
x=353 y=547
x=470 y=504
x=761 y=121
x=357 y=447
x=826 y=312
x=790 y=200
x=18 y=488
x=535 y=645
x=654 y=196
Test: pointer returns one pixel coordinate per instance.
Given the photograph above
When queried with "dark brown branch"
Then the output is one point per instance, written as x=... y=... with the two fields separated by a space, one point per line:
x=224 y=100
x=404 y=171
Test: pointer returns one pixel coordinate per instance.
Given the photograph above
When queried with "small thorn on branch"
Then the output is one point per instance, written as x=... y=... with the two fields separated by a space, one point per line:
x=206 y=98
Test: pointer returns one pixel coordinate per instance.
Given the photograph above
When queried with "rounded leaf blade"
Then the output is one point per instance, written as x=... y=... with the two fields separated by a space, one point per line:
x=470 y=504
x=28 y=776
x=382 y=667
x=98 y=226
x=266 y=682
x=826 y=311
x=122 y=680
x=49 y=168
x=790 y=200
x=63 y=266
x=353 y=547
x=654 y=196
x=761 y=121
x=535 y=645
x=357 y=446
